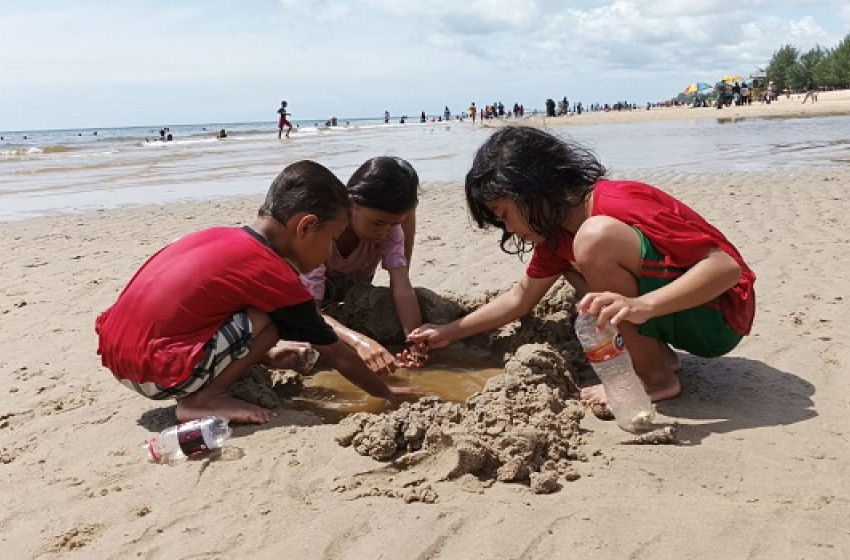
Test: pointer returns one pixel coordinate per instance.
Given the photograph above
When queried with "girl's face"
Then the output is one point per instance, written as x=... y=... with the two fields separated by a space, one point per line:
x=370 y=224
x=507 y=211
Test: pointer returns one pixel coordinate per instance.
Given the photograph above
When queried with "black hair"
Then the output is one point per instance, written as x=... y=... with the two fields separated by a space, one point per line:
x=305 y=186
x=544 y=175
x=388 y=184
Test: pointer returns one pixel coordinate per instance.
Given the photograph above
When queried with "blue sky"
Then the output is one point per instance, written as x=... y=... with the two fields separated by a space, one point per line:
x=98 y=63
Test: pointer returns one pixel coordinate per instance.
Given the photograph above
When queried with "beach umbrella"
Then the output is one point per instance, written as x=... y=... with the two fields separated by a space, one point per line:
x=697 y=87
x=731 y=79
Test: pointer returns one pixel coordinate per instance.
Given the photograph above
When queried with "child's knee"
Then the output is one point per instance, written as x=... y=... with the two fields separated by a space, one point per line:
x=602 y=239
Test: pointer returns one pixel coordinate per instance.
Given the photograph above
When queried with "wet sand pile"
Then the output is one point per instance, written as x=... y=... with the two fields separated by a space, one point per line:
x=370 y=310
x=521 y=427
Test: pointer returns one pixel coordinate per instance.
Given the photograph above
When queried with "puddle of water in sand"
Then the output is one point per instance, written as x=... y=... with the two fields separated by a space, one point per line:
x=453 y=376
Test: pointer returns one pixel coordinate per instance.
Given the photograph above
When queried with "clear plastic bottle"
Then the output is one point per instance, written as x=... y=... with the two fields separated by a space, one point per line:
x=187 y=439
x=611 y=361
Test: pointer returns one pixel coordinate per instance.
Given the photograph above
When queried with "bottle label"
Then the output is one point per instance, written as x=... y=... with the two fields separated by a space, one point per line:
x=192 y=437
x=609 y=349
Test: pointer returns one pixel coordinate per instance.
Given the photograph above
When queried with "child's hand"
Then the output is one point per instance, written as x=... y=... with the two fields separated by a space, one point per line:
x=614 y=308
x=287 y=354
x=414 y=357
x=429 y=336
x=375 y=356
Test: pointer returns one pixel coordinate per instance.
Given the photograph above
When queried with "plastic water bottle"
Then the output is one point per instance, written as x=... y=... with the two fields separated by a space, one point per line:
x=188 y=439
x=611 y=361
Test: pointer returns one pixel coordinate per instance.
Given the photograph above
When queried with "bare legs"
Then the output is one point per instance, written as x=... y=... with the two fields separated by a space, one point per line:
x=214 y=399
x=608 y=254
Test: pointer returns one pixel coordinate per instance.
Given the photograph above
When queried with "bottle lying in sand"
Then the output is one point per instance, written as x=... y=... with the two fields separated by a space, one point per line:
x=188 y=439
x=611 y=361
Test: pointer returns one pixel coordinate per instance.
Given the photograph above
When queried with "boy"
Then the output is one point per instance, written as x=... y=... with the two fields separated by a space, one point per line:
x=206 y=308
x=283 y=120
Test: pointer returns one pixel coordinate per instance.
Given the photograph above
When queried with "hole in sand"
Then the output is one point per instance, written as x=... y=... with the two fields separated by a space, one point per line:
x=455 y=374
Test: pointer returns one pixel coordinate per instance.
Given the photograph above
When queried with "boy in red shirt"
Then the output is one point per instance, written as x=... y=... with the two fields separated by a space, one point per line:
x=642 y=260
x=283 y=121
x=203 y=310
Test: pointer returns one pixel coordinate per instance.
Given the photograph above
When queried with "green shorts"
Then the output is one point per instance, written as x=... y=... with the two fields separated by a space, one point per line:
x=702 y=331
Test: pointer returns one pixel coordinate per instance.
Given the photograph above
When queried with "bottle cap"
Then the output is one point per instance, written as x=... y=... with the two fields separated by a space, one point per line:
x=148 y=450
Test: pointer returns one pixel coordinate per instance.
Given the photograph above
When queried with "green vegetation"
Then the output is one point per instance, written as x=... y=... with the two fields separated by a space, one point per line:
x=828 y=68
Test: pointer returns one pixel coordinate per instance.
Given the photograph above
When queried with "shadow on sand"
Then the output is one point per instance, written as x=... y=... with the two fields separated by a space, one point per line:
x=730 y=394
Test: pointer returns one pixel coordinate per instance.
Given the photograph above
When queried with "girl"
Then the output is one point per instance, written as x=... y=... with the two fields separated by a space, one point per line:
x=643 y=261
x=383 y=192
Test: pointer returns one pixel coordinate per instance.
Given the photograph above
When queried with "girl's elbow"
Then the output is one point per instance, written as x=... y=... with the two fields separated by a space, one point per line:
x=733 y=274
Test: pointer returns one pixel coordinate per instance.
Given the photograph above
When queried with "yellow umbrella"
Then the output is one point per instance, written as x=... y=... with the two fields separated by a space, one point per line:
x=730 y=79
x=696 y=87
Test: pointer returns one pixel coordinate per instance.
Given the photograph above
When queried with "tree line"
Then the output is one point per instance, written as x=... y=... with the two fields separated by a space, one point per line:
x=828 y=68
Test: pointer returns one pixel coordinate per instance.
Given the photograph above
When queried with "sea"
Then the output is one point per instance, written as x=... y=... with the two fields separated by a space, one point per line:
x=47 y=172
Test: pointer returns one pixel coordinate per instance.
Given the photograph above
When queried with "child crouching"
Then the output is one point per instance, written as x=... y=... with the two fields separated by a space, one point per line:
x=203 y=310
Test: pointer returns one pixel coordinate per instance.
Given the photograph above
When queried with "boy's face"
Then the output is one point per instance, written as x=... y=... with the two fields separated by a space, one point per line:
x=515 y=221
x=370 y=224
x=313 y=240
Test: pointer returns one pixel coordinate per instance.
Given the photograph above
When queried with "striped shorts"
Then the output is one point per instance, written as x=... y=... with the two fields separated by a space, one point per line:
x=231 y=342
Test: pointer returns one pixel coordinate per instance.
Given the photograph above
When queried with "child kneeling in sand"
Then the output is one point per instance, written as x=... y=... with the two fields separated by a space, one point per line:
x=643 y=261
x=383 y=193
x=204 y=309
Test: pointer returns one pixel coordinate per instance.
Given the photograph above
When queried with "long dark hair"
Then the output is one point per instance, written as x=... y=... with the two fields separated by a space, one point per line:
x=388 y=184
x=544 y=175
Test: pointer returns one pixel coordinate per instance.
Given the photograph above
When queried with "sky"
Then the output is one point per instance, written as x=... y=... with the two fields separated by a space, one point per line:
x=104 y=63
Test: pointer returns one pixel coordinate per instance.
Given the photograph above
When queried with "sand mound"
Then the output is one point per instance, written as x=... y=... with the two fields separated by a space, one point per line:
x=522 y=427
x=370 y=310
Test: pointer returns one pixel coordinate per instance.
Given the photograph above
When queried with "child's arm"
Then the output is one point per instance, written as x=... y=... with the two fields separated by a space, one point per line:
x=349 y=364
x=375 y=356
x=408 y=226
x=406 y=304
x=513 y=304
x=703 y=282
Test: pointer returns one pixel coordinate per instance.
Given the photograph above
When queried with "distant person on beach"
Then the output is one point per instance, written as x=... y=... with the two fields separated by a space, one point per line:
x=811 y=91
x=283 y=121
x=202 y=311
x=637 y=257
x=473 y=111
x=383 y=194
x=386 y=117
x=222 y=134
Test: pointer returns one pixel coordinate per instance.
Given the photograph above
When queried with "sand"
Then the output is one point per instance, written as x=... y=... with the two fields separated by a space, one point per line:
x=760 y=471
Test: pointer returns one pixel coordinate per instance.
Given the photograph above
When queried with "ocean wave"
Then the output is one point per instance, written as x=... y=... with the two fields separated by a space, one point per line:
x=35 y=150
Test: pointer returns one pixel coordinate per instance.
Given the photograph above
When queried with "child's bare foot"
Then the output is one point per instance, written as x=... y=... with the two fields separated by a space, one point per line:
x=669 y=389
x=199 y=405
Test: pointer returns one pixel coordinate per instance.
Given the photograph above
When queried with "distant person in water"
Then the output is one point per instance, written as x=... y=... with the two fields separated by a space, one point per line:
x=283 y=121
x=222 y=134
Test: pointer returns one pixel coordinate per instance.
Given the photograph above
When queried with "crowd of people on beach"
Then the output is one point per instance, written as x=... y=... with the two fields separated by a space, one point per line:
x=202 y=311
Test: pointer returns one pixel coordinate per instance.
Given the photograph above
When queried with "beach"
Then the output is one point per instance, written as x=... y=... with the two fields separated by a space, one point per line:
x=760 y=470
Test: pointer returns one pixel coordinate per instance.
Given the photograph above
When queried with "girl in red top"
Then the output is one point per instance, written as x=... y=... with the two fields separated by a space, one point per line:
x=639 y=258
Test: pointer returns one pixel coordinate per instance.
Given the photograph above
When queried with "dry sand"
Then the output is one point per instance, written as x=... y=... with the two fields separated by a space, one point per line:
x=762 y=471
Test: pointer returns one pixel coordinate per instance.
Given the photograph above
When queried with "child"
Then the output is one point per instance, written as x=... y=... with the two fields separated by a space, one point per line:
x=283 y=120
x=203 y=310
x=383 y=195
x=642 y=260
